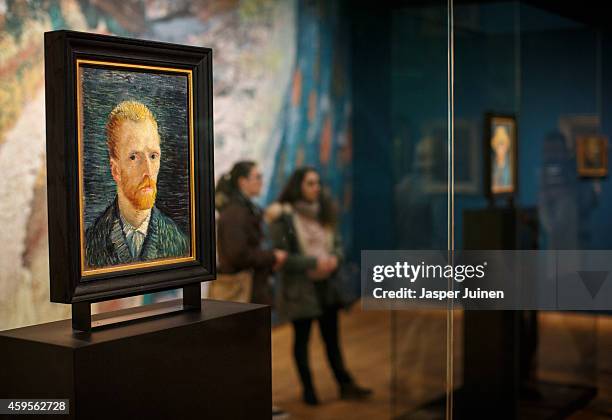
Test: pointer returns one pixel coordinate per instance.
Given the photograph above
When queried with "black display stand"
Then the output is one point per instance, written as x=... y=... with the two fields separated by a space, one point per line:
x=500 y=346
x=496 y=342
x=214 y=363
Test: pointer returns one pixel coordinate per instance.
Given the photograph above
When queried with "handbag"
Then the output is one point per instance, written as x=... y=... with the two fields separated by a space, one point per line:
x=345 y=285
x=236 y=287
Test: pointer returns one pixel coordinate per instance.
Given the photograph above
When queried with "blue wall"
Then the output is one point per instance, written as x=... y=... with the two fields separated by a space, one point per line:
x=542 y=73
x=509 y=59
x=399 y=88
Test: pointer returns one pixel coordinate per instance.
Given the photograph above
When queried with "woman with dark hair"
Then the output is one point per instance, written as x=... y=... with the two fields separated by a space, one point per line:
x=244 y=266
x=303 y=222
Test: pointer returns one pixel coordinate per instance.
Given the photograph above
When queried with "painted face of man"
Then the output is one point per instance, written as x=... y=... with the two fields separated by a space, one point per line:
x=592 y=150
x=136 y=165
x=501 y=143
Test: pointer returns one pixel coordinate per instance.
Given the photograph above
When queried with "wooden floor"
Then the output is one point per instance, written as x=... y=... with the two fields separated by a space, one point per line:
x=412 y=345
x=366 y=346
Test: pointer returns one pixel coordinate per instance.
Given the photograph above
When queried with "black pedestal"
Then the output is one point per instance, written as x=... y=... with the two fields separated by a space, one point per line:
x=211 y=364
x=499 y=346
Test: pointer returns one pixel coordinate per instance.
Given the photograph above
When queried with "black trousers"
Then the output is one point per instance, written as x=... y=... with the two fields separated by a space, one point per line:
x=328 y=324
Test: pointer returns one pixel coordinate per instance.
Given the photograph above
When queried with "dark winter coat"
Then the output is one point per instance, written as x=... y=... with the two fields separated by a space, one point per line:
x=239 y=245
x=298 y=296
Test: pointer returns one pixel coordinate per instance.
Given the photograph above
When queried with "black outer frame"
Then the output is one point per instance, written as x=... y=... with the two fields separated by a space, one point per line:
x=62 y=48
x=488 y=117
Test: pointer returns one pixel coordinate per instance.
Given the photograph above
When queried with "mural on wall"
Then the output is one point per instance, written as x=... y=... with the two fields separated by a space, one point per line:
x=315 y=124
x=280 y=97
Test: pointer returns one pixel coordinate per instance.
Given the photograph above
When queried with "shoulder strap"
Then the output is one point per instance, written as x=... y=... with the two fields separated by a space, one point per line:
x=287 y=220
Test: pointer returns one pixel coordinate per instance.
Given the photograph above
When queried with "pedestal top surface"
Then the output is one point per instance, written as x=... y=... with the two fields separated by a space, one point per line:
x=60 y=333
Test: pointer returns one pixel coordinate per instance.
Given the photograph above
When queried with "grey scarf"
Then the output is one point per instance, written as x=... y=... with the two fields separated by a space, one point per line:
x=307 y=209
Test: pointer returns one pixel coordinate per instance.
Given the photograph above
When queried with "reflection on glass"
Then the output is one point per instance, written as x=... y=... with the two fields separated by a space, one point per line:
x=545 y=70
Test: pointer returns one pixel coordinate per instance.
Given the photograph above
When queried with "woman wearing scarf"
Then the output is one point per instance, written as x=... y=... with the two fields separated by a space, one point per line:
x=303 y=223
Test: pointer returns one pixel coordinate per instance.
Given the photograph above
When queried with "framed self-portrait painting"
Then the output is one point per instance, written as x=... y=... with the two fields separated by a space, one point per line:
x=129 y=166
x=500 y=155
x=592 y=156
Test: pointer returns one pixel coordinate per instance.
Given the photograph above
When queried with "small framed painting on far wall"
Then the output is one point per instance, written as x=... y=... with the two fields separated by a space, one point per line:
x=592 y=156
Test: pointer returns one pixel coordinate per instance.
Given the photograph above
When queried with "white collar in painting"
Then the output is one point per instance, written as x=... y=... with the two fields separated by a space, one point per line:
x=143 y=228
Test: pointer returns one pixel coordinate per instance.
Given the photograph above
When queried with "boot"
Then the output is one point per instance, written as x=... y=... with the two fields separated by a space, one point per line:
x=352 y=391
x=310 y=397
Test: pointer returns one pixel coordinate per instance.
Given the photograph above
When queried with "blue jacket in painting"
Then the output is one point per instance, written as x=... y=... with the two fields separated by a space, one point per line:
x=105 y=242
